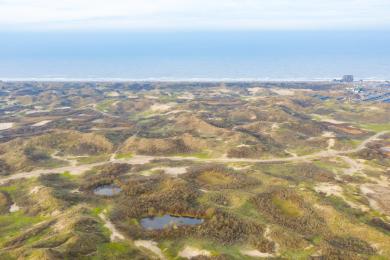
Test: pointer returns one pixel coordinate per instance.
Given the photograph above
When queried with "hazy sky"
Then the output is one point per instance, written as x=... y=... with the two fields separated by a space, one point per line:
x=194 y=14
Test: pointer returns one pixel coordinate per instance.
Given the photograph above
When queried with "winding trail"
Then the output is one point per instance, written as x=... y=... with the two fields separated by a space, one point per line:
x=74 y=170
x=115 y=234
x=322 y=154
x=142 y=159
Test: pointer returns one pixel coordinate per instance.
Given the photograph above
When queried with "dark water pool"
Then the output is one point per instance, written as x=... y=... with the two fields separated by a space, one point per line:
x=107 y=190
x=168 y=220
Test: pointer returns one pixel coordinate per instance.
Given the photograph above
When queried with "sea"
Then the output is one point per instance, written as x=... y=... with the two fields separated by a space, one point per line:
x=195 y=56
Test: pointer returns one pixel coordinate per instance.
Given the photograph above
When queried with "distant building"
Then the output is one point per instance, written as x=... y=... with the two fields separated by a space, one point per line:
x=347 y=78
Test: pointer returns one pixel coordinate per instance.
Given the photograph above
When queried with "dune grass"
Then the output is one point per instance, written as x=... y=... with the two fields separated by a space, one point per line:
x=287 y=207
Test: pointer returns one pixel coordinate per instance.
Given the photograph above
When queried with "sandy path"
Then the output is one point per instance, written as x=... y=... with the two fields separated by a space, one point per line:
x=256 y=253
x=74 y=170
x=72 y=162
x=41 y=123
x=326 y=153
x=115 y=234
x=354 y=166
x=142 y=159
x=190 y=252
x=5 y=126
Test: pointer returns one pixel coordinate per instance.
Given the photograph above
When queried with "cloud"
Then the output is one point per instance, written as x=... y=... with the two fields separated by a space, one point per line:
x=194 y=14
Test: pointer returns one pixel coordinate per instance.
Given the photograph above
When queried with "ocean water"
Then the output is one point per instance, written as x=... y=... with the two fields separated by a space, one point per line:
x=262 y=55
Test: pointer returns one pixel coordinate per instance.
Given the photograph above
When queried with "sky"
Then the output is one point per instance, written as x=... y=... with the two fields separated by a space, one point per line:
x=182 y=39
x=194 y=14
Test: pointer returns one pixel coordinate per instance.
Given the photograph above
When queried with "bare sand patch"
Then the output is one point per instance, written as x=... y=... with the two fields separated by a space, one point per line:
x=178 y=111
x=328 y=134
x=255 y=253
x=331 y=143
x=41 y=123
x=162 y=107
x=224 y=90
x=354 y=166
x=275 y=126
x=291 y=153
x=378 y=197
x=190 y=252
x=5 y=126
x=35 y=189
x=243 y=145
x=113 y=94
x=151 y=246
x=36 y=111
x=186 y=96
x=329 y=189
x=174 y=171
x=332 y=121
x=255 y=90
x=328 y=119
x=283 y=92
x=334 y=190
x=151 y=97
x=14 y=208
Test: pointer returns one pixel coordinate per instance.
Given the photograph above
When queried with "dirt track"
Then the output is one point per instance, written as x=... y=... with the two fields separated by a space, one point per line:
x=142 y=159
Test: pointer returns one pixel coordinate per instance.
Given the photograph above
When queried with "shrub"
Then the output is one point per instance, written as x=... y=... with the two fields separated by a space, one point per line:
x=35 y=154
x=284 y=207
x=352 y=244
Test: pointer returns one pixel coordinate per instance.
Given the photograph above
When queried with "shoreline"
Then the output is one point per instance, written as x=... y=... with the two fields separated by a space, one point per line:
x=162 y=79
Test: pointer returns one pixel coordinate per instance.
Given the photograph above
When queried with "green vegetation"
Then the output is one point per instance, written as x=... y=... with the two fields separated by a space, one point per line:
x=203 y=155
x=287 y=207
x=105 y=105
x=124 y=156
x=376 y=127
x=14 y=223
x=283 y=176
x=92 y=159
x=115 y=250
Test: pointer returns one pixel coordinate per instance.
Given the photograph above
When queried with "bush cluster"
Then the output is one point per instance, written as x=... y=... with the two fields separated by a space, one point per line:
x=284 y=207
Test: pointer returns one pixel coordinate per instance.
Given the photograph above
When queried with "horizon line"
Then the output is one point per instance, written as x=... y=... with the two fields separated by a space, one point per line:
x=184 y=79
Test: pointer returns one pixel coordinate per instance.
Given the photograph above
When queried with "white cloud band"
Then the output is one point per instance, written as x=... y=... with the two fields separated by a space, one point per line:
x=194 y=14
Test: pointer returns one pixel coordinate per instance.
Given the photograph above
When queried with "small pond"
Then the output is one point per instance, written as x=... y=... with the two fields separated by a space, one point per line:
x=168 y=220
x=107 y=190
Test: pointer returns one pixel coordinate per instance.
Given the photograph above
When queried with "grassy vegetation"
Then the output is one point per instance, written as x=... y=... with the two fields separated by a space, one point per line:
x=214 y=178
x=124 y=156
x=201 y=155
x=14 y=223
x=92 y=159
x=376 y=127
x=105 y=105
x=118 y=250
x=287 y=207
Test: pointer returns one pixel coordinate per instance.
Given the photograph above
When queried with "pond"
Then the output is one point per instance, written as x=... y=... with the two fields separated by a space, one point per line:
x=107 y=190
x=168 y=220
